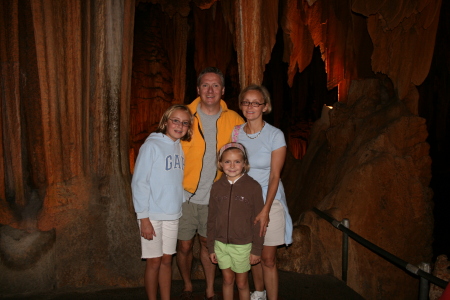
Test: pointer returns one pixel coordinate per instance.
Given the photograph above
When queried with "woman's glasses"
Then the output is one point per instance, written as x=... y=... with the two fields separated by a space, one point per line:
x=253 y=104
x=180 y=123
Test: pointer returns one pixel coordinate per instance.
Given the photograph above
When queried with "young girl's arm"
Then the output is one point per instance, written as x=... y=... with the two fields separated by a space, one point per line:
x=257 y=239
x=254 y=259
x=213 y=258
x=210 y=227
x=147 y=230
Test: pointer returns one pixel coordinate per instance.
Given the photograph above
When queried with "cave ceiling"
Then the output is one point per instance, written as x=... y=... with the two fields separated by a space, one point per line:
x=357 y=38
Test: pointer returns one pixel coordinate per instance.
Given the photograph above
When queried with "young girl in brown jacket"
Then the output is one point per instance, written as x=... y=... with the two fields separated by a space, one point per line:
x=233 y=239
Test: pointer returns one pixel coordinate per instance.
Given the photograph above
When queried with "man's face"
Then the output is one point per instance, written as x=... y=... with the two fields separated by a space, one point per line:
x=210 y=89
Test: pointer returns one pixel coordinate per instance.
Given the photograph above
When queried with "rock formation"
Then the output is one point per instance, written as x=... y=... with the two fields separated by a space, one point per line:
x=66 y=69
x=368 y=162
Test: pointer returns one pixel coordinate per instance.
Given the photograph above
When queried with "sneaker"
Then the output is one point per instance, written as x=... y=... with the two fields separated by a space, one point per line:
x=215 y=297
x=257 y=295
x=186 y=295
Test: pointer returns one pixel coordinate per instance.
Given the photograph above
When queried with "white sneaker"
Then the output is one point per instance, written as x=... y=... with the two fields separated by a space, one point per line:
x=257 y=295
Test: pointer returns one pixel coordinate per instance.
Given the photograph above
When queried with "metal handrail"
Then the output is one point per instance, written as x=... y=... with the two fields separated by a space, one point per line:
x=381 y=252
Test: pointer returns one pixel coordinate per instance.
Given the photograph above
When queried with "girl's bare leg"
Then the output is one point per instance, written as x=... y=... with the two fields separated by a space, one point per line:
x=242 y=285
x=228 y=284
x=151 y=277
x=165 y=276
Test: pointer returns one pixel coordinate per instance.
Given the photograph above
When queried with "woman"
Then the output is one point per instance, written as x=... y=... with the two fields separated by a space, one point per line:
x=266 y=148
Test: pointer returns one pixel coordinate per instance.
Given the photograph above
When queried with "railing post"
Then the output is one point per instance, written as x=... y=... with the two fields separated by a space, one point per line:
x=346 y=223
x=424 y=285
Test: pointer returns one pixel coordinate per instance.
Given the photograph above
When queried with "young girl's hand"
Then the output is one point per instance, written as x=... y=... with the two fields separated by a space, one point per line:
x=213 y=258
x=147 y=230
x=254 y=259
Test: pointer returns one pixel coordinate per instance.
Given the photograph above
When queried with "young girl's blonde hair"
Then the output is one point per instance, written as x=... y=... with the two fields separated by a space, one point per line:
x=162 y=127
x=233 y=146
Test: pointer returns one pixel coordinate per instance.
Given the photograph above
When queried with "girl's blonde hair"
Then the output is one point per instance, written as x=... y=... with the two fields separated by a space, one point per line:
x=264 y=92
x=162 y=127
x=233 y=146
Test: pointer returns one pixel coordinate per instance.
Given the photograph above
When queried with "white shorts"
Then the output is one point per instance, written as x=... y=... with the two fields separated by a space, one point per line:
x=165 y=241
x=277 y=225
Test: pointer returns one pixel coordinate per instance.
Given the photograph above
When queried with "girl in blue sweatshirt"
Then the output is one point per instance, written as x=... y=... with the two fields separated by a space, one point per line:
x=158 y=195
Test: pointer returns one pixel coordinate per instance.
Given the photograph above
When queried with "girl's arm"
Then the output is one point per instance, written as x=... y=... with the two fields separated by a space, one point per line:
x=211 y=224
x=140 y=183
x=276 y=165
x=254 y=259
x=213 y=258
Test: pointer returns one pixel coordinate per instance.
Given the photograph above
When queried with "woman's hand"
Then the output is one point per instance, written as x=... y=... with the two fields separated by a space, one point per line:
x=263 y=219
x=147 y=230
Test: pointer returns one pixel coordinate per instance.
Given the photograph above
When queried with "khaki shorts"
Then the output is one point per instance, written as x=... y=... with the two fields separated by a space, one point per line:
x=235 y=257
x=194 y=219
x=277 y=225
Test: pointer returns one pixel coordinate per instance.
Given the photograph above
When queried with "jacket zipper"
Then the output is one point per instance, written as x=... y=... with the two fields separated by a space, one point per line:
x=203 y=137
x=229 y=211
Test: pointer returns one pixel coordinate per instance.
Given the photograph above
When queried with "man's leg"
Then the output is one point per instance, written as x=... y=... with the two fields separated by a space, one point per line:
x=208 y=267
x=184 y=262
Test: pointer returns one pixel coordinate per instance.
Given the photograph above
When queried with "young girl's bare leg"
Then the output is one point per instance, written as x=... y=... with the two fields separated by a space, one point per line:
x=151 y=277
x=165 y=276
x=228 y=284
x=242 y=285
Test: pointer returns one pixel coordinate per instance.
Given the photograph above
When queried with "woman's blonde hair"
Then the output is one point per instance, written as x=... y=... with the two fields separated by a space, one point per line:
x=233 y=146
x=162 y=127
x=264 y=92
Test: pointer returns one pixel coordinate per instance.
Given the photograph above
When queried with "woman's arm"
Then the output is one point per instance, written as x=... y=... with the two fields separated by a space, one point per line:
x=276 y=165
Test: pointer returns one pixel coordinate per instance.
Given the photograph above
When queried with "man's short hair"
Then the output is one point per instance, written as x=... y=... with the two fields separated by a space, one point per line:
x=211 y=70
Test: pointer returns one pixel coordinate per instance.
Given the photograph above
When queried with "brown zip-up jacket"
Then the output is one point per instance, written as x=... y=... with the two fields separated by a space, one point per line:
x=232 y=211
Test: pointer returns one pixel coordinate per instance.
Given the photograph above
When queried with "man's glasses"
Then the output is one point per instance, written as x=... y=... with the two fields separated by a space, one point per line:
x=253 y=104
x=180 y=123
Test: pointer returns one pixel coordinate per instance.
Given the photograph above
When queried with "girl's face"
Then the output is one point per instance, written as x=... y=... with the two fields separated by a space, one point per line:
x=232 y=163
x=178 y=124
x=250 y=112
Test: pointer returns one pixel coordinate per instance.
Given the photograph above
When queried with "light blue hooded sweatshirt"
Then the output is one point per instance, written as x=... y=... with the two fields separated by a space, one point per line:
x=157 y=183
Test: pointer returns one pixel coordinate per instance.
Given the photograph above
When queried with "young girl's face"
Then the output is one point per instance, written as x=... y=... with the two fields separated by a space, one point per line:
x=178 y=124
x=232 y=164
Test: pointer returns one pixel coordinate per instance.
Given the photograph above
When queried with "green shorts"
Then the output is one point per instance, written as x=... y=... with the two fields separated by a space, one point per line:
x=194 y=219
x=235 y=257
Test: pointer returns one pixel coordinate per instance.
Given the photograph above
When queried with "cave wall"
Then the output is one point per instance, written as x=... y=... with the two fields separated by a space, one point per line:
x=80 y=91
x=368 y=162
x=66 y=210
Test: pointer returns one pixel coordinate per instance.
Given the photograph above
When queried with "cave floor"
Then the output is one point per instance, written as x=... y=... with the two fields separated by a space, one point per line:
x=292 y=286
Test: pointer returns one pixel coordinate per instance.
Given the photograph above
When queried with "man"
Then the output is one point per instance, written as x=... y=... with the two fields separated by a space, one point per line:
x=212 y=127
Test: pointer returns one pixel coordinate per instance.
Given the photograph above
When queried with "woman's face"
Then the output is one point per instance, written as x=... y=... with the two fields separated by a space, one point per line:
x=249 y=111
